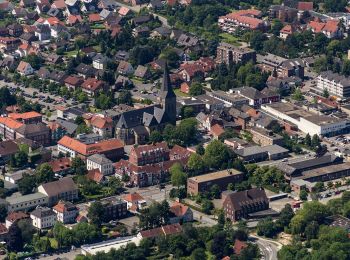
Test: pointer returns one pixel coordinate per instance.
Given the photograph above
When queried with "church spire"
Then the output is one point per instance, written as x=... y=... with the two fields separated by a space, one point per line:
x=166 y=90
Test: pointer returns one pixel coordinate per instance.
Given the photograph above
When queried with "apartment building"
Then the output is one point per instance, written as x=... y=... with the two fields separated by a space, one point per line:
x=245 y=19
x=228 y=53
x=26 y=202
x=148 y=154
x=336 y=84
x=66 y=212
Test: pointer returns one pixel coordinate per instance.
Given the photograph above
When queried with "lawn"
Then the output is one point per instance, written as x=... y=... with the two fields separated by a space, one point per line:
x=180 y=94
x=229 y=38
x=71 y=53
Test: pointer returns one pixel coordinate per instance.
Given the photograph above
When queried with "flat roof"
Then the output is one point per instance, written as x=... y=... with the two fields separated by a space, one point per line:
x=25 y=198
x=215 y=175
x=106 y=246
x=324 y=170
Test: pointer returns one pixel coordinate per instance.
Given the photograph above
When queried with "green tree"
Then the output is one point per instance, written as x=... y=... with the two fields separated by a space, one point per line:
x=14 y=238
x=20 y=159
x=44 y=173
x=207 y=206
x=27 y=184
x=196 y=89
x=217 y=155
x=178 y=176
x=303 y=195
x=155 y=137
x=307 y=140
x=266 y=227
x=125 y=97
x=311 y=230
x=297 y=95
x=96 y=213
x=3 y=212
x=195 y=163
x=78 y=166
x=200 y=149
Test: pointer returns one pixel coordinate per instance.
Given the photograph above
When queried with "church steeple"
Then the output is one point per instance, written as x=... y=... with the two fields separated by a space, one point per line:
x=168 y=97
x=166 y=90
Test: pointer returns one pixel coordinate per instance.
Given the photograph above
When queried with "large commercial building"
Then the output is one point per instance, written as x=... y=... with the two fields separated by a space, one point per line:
x=204 y=182
x=306 y=121
x=336 y=84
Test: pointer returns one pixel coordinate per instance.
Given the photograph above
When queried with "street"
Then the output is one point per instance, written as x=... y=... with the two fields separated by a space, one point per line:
x=267 y=247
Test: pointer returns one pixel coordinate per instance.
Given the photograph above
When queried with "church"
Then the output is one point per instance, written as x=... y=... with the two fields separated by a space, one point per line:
x=135 y=126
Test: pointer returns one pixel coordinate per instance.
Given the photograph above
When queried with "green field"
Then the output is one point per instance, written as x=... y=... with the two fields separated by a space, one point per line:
x=229 y=38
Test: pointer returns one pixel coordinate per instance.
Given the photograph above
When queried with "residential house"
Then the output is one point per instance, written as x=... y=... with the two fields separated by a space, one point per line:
x=73 y=82
x=142 y=72
x=31 y=117
x=86 y=71
x=14 y=217
x=99 y=62
x=7 y=150
x=37 y=132
x=61 y=166
x=286 y=31
x=149 y=154
x=43 y=217
x=91 y=86
x=330 y=28
x=181 y=213
x=66 y=212
x=135 y=202
x=101 y=124
x=43 y=32
x=25 y=69
x=96 y=176
x=240 y=204
x=8 y=44
x=257 y=98
x=62 y=189
x=100 y=162
x=125 y=68
x=15 y=29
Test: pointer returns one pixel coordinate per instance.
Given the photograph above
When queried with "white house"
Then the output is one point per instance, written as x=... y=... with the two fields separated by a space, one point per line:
x=66 y=212
x=43 y=217
x=99 y=161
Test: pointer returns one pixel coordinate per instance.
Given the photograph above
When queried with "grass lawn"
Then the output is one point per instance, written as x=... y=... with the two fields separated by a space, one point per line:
x=98 y=26
x=180 y=94
x=71 y=53
x=229 y=38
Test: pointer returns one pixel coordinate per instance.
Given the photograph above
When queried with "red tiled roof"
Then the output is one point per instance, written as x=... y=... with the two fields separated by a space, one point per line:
x=64 y=207
x=22 y=66
x=123 y=11
x=89 y=149
x=329 y=26
x=94 y=18
x=92 y=84
x=217 y=130
x=52 y=20
x=14 y=216
x=179 y=209
x=147 y=148
x=73 y=80
x=60 y=164
x=133 y=197
x=95 y=175
x=246 y=17
x=10 y=123
x=305 y=6
x=288 y=29
x=101 y=122
x=161 y=231
x=26 y=115
x=239 y=246
x=179 y=152
x=3 y=229
x=73 y=19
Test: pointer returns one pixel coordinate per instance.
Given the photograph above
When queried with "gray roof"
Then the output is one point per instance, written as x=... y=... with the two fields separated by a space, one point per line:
x=274 y=149
x=33 y=128
x=345 y=81
x=69 y=126
x=251 y=150
x=56 y=187
x=25 y=198
x=42 y=212
x=99 y=159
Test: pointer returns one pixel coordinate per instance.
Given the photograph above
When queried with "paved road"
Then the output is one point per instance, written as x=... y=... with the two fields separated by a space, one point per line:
x=30 y=91
x=69 y=255
x=267 y=247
